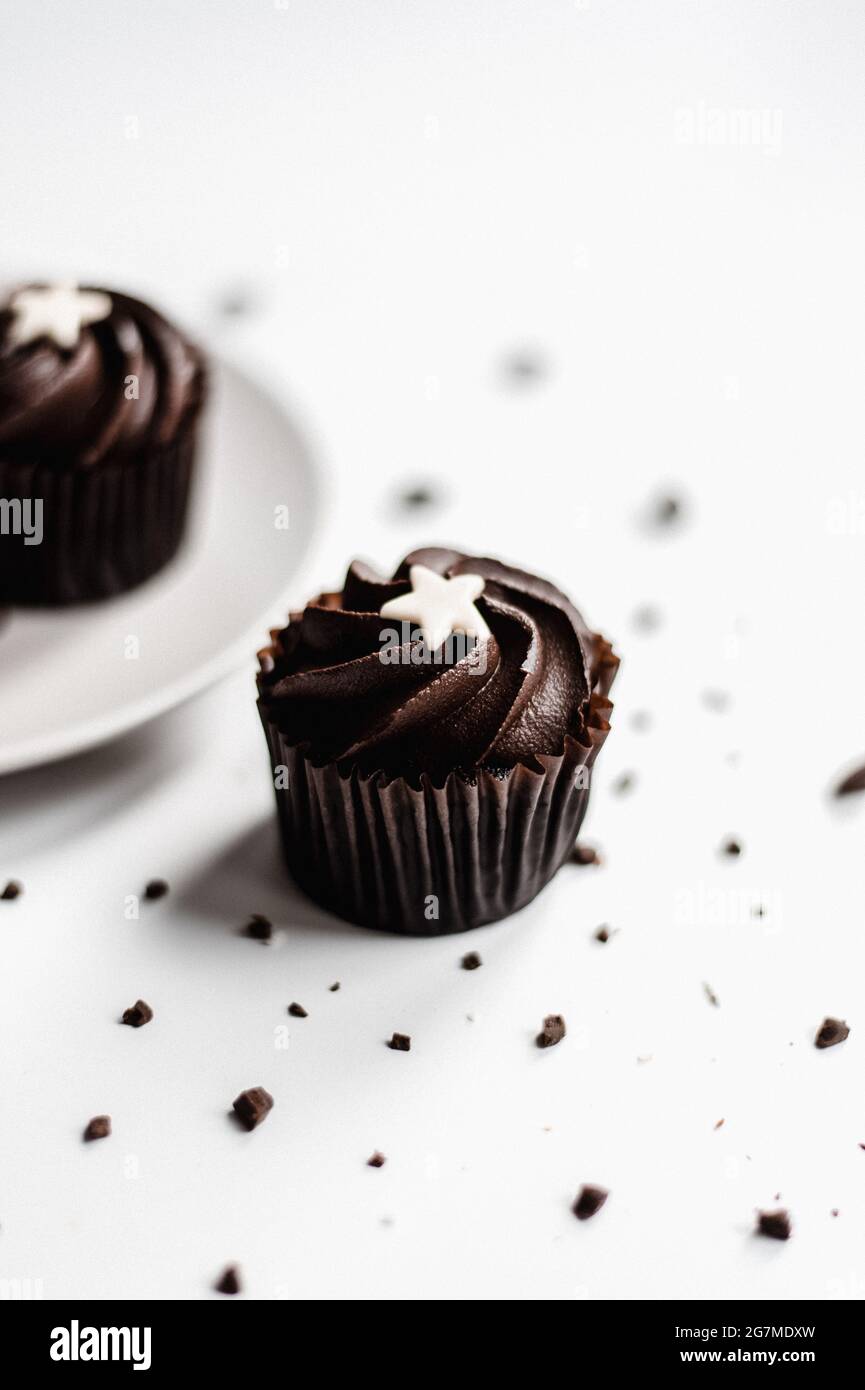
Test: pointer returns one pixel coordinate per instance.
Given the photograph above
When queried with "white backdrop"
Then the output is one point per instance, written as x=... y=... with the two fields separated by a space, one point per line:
x=664 y=202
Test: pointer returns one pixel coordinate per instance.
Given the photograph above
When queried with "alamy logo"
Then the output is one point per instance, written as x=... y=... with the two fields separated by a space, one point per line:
x=22 y=516
x=75 y=1343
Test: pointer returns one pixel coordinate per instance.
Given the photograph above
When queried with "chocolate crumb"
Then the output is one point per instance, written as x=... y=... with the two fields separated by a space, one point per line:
x=731 y=847
x=647 y=618
x=297 y=1011
x=12 y=890
x=400 y=1042
x=471 y=961
x=253 y=1106
x=334 y=987
x=718 y=701
x=552 y=1032
x=376 y=1160
x=156 y=888
x=98 y=1128
x=421 y=495
x=259 y=928
x=228 y=1281
x=775 y=1224
x=138 y=1015
x=585 y=854
x=711 y=996
x=624 y=783
x=524 y=367
x=666 y=509
x=853 y=782
x=718 y=1124
x=602 y=934
x=589 y=1201
x=831 y=1032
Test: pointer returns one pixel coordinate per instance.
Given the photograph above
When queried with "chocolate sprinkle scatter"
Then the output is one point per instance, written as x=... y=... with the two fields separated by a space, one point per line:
x=831 y=1032
x=853 y=782
x=589 y=1201
x=585 y=854
x=471 y=961
x=12 y=890
x=775 y=1224
x=229 y=1281
x=297 y=1011
x=253 y=1106
x=98 y=1128
x=138 y=1015
x=400 y=1042
x=731 y=848
x=376 y=1160
x=552 y=1032
x=259 y=928
x=156 y=888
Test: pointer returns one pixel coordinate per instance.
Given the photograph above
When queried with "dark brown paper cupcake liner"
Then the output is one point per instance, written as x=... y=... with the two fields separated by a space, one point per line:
x=427 y=860
x=106 y=527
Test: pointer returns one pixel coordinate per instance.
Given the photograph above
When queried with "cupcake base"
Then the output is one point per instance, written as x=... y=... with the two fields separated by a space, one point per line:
x=106 y=528
x=427 y=860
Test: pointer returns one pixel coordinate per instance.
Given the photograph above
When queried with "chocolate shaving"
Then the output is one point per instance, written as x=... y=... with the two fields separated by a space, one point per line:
x=552 y=1032
x=775 y=1224
x=585 y=854
x=589 y=1201
x=602 y=934
x=731 y=847
x=253 y=1106
x=853 y=782
x=400 y=1042
x=297 y=1011
x=471 y=961
x=831 y=1032
x=156 y=888
x=334 y=987
x=98 y=1128
x=376 y=1160
x=229 y=1281
x=12 y=890
x=138 y=1015
x=259 y=928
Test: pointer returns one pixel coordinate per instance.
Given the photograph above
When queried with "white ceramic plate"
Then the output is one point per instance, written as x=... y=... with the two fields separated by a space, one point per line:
x=73 y=678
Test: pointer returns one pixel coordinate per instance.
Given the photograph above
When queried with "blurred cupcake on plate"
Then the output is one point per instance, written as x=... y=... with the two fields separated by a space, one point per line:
x=100 y=398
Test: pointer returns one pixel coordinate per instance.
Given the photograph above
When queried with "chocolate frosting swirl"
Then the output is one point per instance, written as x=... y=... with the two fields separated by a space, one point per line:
x=77 y=406
x=518 y=695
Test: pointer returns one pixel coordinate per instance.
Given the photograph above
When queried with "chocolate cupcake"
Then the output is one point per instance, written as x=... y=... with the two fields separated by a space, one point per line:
x=99 y=402
x=431 y=738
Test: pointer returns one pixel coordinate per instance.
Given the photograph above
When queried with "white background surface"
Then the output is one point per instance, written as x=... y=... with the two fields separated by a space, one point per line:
x=408 y=194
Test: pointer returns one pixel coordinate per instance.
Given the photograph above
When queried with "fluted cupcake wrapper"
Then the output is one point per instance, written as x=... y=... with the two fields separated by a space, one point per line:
x=427 y=860
x=106 y=527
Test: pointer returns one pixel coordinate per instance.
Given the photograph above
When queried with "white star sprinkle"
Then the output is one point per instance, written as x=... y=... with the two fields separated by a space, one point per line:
x=58 y=312
x=440 y=606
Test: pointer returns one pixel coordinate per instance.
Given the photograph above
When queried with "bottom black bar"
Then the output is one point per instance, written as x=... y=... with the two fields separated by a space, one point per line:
x=234 y=1335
